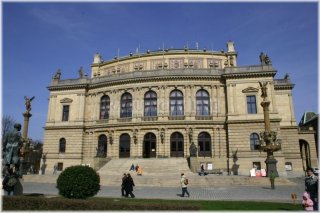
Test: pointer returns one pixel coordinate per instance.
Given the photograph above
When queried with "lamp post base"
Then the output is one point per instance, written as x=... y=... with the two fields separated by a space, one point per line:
x=271 y=166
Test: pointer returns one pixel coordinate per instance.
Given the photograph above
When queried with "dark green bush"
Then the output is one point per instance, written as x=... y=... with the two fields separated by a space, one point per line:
x=78 y=182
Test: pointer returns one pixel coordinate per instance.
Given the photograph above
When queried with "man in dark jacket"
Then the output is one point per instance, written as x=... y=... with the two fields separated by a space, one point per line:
x=128 y=186
x=122 y=185
x=311 y=186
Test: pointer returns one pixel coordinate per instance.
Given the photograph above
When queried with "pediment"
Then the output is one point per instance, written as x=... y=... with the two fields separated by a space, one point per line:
x=250 y=89
x=66 y=100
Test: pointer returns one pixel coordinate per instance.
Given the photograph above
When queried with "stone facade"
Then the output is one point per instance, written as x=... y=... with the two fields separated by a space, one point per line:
x=201 y=97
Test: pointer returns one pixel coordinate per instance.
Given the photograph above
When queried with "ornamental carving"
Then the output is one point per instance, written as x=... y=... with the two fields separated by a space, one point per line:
x=176 y=63
x=66 y=100
x=250 y=90
x=214 y=63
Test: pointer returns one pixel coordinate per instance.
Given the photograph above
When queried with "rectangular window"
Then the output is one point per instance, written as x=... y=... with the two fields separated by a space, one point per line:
x=251 y=104
x=256 y=165
x=65 y=113
x=60 y=166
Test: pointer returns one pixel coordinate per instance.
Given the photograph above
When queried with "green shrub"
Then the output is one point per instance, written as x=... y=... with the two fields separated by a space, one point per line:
x=78 y=182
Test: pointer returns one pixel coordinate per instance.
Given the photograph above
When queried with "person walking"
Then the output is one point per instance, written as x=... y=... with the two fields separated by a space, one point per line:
x=311 y=186
x=9 y=181
x=272 y=177
x=122 y=184
x=184 y=182
x=307 y=203
x=128 y=186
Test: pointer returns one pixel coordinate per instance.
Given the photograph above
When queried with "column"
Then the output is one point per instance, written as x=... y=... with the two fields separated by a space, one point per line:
x=188 y=101
x=234 y=93
x=273 y=98
x=166 y=103
x=230 y=99
x=193 y=101
x=292 y=120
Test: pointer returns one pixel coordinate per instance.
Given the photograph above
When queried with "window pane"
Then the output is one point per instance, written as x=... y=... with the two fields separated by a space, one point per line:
x=251 y=104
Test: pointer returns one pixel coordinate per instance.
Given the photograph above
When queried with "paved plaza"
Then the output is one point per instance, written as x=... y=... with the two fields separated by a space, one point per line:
x=250 y=193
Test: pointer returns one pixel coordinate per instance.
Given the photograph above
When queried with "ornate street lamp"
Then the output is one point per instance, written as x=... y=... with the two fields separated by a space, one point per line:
x=268 y=139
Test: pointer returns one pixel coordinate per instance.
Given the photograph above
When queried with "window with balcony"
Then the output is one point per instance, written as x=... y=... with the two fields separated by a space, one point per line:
x=150 y=104
x=126 y=105
x=203 y=102
x=176 y=103
x=104 y=107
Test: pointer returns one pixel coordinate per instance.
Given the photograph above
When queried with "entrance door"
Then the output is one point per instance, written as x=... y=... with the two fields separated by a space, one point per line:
x=204 y=144
x=177 y=145
x=149 y=146
x=124 y=148
x=305 y=154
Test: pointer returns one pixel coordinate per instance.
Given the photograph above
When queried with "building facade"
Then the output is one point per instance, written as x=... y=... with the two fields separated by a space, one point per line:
x=156 y=104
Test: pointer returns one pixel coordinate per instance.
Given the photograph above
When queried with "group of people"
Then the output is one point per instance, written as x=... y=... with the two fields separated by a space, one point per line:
x=127 y=185
x=136 y=168
x=310 y=196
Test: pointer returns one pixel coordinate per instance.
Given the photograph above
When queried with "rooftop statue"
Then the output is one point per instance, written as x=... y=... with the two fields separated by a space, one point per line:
x=57 y=75
x=264 y=59
x=80 y=72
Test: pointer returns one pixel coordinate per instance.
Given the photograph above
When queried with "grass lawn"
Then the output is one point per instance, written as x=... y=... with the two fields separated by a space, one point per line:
x=27 y=203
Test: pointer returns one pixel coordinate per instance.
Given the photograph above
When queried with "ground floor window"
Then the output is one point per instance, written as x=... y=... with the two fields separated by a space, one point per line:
x=60 y=166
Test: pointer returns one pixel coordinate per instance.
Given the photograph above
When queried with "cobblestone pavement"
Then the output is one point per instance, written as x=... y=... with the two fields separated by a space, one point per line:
x=241 y=193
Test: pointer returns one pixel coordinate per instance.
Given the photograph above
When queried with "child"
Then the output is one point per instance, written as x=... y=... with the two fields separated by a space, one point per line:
x=307 y=203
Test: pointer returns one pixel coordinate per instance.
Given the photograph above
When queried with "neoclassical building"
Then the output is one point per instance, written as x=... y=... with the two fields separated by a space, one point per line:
x=156 y=104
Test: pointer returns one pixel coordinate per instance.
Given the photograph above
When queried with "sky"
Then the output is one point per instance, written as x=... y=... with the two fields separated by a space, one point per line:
x=39 y=38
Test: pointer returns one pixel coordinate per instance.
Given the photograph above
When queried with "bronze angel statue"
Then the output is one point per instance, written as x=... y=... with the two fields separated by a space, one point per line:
x=28 y=103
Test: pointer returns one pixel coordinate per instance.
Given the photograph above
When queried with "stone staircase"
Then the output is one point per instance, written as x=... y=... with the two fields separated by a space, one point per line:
x=164 y=172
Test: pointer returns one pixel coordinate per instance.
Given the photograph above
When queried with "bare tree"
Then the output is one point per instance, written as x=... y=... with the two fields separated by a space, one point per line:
x=7 y=126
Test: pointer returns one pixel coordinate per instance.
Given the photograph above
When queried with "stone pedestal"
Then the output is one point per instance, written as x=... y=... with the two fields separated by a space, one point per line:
x=271 y=166
x=194 y=164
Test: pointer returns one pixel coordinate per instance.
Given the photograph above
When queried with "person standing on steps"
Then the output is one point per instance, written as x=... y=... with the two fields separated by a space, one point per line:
x=184 y=182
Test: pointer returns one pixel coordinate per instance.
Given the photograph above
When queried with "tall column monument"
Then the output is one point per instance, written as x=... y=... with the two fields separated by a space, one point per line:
x=24 y=148
x=268 y=139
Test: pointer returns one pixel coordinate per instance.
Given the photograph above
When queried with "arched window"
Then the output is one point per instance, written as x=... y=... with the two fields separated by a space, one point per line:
x=254 y=141
x=62 y=145
x=104 y=107
x=204 y=144
x=102 y=146
x=203 y=102
x=150 y=104
x=176 y=103
x=126 y=105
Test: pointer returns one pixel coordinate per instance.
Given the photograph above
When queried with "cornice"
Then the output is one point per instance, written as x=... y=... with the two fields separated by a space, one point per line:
x=162 y=75
x=170 y=52
x=252 y=121
x=155 y=124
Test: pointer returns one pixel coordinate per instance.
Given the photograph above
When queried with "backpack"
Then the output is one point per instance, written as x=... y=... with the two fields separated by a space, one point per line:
x=12 y=181
x=186 y=181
